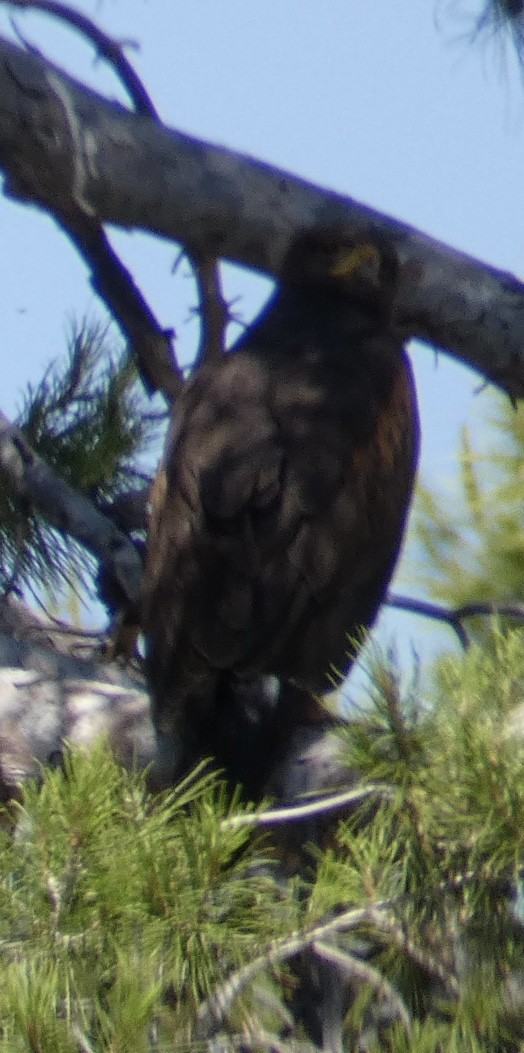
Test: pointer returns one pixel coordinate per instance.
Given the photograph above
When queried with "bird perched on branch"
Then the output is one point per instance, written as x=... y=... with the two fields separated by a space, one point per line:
x=279 y=508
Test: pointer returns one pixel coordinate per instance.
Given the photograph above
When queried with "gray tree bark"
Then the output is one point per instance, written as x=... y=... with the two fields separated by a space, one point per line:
x=65 y=148
x=57 y=687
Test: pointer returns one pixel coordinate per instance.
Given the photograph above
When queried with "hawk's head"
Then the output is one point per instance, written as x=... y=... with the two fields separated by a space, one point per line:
x=358 y=265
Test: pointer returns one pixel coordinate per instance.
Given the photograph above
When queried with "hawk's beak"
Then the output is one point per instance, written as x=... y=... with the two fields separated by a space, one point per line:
x=362 y=263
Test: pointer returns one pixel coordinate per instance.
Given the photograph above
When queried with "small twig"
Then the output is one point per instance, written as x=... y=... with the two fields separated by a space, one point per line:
x=105 y=47
x=454 y=616
x=387 y=683
x=212 y=308
x=320 y=806
x=356 y=969
x=422 y=958
x=430 y=610
x=213 y=1010
x=68 y=630
x=492 y=610
x=68 y=511
x=151 y=345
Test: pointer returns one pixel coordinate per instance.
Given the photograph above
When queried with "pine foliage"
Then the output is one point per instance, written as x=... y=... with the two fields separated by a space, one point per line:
x=478 y=557
x=497 y=25
x=133 y=924
x=89 y=422
x=119 y=915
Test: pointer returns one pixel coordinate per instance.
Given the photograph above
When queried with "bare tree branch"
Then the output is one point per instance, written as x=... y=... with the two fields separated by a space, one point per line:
x=455 y=616
x=67 y=149
x=151 y=345
x=105 y=46
x=430 y=610
x=320 y=806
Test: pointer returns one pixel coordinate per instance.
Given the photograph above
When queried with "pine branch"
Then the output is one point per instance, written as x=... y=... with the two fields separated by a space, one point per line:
x=82 y=431
x=67 y=510
x=355 y=970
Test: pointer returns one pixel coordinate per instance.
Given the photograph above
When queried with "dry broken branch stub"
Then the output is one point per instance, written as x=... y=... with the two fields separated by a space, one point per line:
x=212 y=308
x=131 y=171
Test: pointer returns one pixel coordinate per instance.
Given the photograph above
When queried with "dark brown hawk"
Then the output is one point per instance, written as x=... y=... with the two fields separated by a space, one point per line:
x=278 y=513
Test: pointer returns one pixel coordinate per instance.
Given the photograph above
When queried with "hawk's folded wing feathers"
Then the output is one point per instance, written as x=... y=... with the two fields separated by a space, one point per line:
x=278 y=513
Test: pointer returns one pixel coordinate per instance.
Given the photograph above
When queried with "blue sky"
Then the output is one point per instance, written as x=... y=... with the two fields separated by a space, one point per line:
x=383 y=102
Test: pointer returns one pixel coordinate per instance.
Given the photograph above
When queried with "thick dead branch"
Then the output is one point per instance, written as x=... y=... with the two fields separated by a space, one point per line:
x=65 y=148
x=67 y=510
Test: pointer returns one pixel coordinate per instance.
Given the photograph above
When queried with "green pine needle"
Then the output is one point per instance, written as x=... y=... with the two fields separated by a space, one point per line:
x=88 y=420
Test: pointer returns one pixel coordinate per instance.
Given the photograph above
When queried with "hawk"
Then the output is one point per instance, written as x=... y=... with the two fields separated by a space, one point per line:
x=278 y=512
